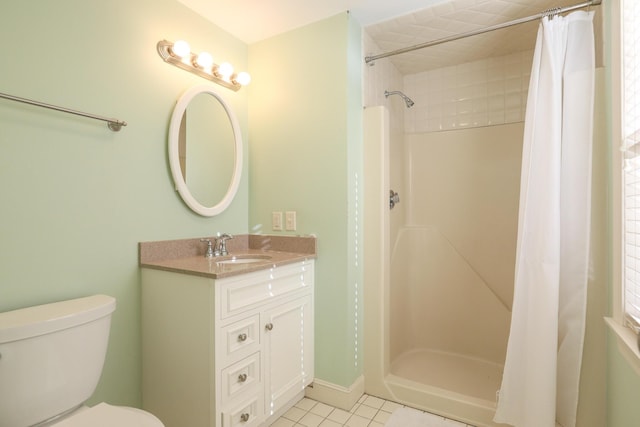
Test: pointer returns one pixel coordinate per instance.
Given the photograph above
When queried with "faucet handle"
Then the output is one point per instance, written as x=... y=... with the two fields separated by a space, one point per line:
x=221 y=243
x=209 y=253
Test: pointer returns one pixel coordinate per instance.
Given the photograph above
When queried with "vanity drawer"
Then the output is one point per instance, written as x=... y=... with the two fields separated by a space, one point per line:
x=236 y=296
x=247 y=413
x=241 y=377
x=239 y=339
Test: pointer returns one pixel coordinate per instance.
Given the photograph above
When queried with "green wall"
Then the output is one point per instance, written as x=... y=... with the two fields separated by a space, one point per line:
x=76 y=197
x=623 y=389
x=305 y=110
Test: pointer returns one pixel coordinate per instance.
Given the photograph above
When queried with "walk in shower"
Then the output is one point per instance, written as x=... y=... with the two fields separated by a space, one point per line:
x=438 y=300
x=439 y=267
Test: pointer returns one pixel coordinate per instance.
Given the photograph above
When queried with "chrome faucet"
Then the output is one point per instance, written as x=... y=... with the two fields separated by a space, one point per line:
x=209 y=252
x=221 y=244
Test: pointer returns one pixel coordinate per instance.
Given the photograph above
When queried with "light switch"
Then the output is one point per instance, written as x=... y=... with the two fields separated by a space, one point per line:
x=290 y=221
x=276 y=221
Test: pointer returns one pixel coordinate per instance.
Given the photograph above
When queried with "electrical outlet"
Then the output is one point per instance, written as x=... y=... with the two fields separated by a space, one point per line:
x=290 y=221
x=276 y=221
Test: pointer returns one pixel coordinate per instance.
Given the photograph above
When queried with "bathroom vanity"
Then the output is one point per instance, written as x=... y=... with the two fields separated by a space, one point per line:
x=227 y=341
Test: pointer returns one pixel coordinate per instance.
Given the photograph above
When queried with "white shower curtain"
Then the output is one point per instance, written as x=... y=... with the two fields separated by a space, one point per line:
x=542 y=368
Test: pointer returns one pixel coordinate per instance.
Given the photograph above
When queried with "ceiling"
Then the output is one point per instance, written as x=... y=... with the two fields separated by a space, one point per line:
x=255 y=20
x=456 y=17
x=394 y=24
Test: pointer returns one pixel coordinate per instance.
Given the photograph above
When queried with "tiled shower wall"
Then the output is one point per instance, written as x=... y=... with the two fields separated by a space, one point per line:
x=490 y=91
x=487 y=92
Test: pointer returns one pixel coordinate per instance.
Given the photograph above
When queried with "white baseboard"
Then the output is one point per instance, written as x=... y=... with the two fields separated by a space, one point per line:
x=335 y=395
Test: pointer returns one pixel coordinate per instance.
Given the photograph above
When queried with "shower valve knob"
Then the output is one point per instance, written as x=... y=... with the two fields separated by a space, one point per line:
x=394 y=199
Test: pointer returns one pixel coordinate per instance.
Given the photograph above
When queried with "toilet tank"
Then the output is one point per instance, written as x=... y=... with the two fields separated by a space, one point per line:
x=51 y=357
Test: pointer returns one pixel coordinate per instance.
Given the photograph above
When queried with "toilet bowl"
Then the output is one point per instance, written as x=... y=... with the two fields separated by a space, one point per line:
x=51 y=359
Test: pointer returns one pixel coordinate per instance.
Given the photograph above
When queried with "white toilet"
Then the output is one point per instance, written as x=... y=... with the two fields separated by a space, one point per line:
x=51 y=358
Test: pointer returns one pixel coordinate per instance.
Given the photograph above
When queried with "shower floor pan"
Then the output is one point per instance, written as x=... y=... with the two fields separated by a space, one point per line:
x=460 y=374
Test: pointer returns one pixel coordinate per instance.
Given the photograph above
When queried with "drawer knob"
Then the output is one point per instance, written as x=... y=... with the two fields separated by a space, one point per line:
x=244 y=417
x=242 y=378
x=242 y=337
x=268 y=326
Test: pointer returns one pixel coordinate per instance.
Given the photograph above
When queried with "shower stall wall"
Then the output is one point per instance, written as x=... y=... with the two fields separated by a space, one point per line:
x=437 y=302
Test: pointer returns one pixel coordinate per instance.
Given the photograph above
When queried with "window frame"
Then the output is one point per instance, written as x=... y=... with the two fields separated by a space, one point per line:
x=626 y=337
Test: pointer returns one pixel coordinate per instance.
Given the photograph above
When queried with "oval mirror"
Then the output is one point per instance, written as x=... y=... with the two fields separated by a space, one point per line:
x=205 y=151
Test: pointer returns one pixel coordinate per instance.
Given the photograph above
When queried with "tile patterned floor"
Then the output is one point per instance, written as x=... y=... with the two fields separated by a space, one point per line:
x=370 y=411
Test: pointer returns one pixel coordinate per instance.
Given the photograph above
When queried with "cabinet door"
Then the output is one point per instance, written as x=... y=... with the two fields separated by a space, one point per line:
x=288 y=331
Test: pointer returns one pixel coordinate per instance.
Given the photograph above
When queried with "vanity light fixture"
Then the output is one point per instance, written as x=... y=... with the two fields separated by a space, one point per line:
x=180 y=55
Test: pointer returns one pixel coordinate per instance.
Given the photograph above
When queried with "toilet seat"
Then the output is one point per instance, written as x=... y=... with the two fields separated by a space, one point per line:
x=105 y=415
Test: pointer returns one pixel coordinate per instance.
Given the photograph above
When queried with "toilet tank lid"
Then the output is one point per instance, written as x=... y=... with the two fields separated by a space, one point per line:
x=43 y=319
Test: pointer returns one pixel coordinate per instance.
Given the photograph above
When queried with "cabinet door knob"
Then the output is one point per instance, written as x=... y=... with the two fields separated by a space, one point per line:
x=242 y=337
x=268 y=326
x=242 y=378
x=244 y=417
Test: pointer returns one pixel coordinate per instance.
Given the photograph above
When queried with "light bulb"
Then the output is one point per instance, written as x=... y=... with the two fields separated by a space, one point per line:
x=205 y=60
x=243 y=78
x=225 y=70
x=181 y=48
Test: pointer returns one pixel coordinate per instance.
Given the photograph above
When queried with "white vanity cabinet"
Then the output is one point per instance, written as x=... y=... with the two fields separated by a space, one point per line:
x=226 y=352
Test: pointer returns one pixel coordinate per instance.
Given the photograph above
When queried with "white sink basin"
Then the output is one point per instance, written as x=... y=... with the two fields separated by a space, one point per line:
x=244 y=259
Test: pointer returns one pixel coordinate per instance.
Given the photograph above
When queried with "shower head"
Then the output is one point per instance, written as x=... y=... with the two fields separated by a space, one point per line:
x=407 y=100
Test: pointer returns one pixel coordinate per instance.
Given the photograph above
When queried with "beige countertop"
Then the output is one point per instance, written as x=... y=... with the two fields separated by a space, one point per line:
x=187 y=256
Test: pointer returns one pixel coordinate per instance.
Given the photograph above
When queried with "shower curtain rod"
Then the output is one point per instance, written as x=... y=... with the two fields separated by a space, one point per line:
x=555 y=11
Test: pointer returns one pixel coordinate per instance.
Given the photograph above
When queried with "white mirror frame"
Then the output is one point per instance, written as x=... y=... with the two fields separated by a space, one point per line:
x=174 y=160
